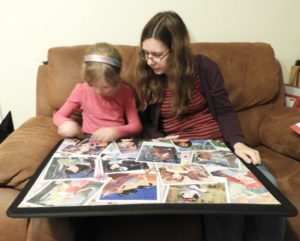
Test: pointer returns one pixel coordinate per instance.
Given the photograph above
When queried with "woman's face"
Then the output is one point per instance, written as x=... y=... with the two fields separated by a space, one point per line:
x=157 y=55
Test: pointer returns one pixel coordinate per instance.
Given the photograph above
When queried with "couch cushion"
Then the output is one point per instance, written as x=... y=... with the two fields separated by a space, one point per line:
x=50 y=229
x=250 y=120
x=250 y=71
x=275 y=131
x=11 y=229
x=64 y=65
x=33 y=141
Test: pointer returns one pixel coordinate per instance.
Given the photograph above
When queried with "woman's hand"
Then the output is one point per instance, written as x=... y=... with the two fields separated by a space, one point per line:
x=171 y=137
x=105 y=134
x=246 y=153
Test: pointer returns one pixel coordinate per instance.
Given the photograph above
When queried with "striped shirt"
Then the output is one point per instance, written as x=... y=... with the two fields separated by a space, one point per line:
x=197 y=123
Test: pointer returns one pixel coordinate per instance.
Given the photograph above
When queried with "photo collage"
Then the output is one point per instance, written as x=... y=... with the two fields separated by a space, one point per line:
x=83 y=172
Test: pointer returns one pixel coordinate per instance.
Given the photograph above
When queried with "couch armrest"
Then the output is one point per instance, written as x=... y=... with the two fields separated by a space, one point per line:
x=23 y=151
x=275 y=132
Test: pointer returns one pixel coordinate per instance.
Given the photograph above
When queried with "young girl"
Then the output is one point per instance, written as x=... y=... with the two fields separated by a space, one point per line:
x=106 y=102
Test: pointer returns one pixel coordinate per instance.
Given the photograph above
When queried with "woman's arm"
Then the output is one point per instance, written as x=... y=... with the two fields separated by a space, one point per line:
x=222 y=110
x=150 y=121
x=213 y=89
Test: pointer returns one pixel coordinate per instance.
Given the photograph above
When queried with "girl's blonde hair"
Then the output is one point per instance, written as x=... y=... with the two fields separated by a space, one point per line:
x=169 y=28
x=91 y=70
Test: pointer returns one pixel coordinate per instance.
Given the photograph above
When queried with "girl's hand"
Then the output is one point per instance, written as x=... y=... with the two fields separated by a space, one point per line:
x=105 y=134
x=246 y=153
x=69 y=129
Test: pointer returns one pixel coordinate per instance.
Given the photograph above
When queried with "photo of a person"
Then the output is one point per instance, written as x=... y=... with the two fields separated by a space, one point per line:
x=128 y=146
x=131 y=187
x=70 y=167
x=182 y=144
x=66 y=193
x=158 y=152
x=201 y=145
x=123 y=165
x=197 y=193
x=244 y=187
x=243 y=177
x=192 y=193
x=85 y=146
x=106 y=102
x=183 y=174
x=217 y=157
x=219 y=144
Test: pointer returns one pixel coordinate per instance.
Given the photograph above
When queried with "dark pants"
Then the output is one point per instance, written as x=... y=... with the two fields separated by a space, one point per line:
x=248 y=228
x=85 y=228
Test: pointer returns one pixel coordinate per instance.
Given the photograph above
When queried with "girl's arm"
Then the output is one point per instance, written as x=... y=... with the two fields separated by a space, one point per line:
x=62 y=118
x=65 y=112
x=133 y=126
x=218 y=101
x=226 y=116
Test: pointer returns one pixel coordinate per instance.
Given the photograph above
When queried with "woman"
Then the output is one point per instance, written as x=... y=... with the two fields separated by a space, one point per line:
x=183 y=96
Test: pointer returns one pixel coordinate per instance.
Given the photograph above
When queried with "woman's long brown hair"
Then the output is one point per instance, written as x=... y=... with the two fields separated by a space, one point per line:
x=169 y=28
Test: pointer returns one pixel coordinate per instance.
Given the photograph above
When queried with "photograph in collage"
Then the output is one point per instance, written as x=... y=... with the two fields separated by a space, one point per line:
x=244 y=187
x=64 y=167
x=158 y=152
x=219 y=144
x=82 y=147
x=122 y=165
x=66 y=193
x=130 y=187
x=198 y=193
x=192 y=145
x=128 y=146
x=183 y=174
x=217 y=157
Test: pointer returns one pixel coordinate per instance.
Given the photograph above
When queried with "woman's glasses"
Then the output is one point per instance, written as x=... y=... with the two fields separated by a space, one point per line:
x=157 y=58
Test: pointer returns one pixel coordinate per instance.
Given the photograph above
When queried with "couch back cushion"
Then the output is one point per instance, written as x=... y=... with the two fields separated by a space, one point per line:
x=251 y=73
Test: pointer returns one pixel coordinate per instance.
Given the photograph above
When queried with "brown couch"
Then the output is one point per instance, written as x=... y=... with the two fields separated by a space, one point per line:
x=254 y=81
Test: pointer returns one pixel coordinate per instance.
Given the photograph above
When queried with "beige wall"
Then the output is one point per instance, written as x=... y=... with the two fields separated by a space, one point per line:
x=29 y=28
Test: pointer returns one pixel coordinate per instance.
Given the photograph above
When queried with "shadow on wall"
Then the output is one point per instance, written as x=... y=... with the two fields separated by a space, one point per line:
x=6 y=127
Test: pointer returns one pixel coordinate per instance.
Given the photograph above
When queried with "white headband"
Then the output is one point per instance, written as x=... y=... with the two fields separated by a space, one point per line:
x=102 y=59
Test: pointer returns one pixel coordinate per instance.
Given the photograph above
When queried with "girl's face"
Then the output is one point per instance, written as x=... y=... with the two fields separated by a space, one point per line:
x=103 y=88
x=156 y=55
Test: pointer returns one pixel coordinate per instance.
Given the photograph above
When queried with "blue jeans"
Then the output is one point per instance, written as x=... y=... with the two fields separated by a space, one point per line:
x=248 y=228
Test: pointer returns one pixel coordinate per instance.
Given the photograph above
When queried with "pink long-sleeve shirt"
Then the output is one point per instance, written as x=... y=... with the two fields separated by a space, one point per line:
x=98 y=111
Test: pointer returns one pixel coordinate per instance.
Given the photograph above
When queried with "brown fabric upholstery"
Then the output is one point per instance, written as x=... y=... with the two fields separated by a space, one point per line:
x=275 y=132
x=49 y=229
x=247 y=69
x=23 y=151
x=253 y=79
x=10 y=229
